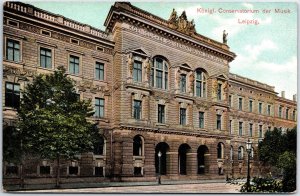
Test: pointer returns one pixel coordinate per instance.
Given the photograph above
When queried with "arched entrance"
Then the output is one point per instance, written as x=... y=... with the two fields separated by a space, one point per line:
x=163 y=148
x=202 y=166
x=182 y=151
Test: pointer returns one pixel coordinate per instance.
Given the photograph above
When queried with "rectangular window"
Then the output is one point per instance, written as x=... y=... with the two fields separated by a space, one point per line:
x=240 y=128
x=219 y=93
x=259 y=108
x=230 y=100
x=260 y=131
x=46 y=58
x=12 y=95
x=279 y=111
x=137 y=171
x=99 y=171
x=99 y=71
x=99 y=107
x=12 y=50
x=294 y=115
x=269 y=110
x=250 y=130
x=137 y=109
x=201 y=120
x=230 y=127
x=198 y=88
x=240 y=103
x=44 y=170
x=161 y=113
x=137 y=71
x=250 y=105
x=159 y=79
x=166 y=79
x=269 y=128
x=182 y=116
x=12 y=170
x=287 y=113
x=73 y=170
x=219 y=121
x=74 y=65
x=183 y=83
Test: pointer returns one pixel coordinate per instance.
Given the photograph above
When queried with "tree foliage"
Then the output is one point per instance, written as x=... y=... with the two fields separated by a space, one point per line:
x=279 y=150
x=52 y=118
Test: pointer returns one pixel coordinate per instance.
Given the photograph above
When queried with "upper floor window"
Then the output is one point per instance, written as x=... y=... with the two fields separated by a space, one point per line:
x=231 y=153
x=201 y=119
x=250 y=105
x=287 y=113
x=219 y=91
x=279 y=111
x=137 y=146
x=137 y=71
x=259 y=108
x=294 y=115
x=241 y=153
x=230 y=100
x=219 y=121
x=200 y=83
x=252 y=153
x=260 y=134
x=12 y=50
x=240 y=128
x=99 y=71
x=250 y=130
x=183 y=83
x=159 y=73
x=230 y=127
x=240 y=103
x=46 y=58
x=74 y=65
x=182 y=116
x=269 y=110
x=161 y=113
x=99 y=107
x=137 y=109
x=12 y=95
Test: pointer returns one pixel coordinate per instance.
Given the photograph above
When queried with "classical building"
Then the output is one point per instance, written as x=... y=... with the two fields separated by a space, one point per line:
x=156 y=85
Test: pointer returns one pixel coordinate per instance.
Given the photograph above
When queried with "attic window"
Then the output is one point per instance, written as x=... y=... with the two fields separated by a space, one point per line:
x=251 y=91
x=241 y=89
x=260 y=94
x=46 y=33
x=74 y=41
x=12 y=23
x=99 y=48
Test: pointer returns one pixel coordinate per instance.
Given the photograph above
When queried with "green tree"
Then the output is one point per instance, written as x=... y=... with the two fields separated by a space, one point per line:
x=53 y=121
x=279 y=150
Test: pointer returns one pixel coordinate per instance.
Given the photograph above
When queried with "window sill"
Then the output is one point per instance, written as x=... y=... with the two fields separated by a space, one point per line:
x=14 y=62
x=9 y=108
x=161 y=124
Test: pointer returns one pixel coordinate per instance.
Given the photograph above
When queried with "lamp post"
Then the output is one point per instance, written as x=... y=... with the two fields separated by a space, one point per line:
x=159 y=167
x=248 y=148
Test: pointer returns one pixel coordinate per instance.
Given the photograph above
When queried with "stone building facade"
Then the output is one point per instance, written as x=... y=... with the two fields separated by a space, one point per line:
x=156 y=85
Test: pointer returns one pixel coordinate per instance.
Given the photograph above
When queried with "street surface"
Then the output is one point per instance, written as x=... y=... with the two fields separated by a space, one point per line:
x=175 y=188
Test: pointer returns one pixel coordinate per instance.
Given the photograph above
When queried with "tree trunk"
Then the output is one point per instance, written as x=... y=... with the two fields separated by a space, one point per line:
x=57 y=172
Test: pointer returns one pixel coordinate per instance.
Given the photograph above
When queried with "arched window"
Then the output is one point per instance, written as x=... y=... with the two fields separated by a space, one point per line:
x=200 y=83
x=231 y=153
x=138 y=146
x=220 y=151
x=159 y=73
x=241 y=153
x=252 y=153
x=99 y=146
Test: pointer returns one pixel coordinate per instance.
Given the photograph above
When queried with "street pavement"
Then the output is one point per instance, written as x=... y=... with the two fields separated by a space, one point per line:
x=218 y=187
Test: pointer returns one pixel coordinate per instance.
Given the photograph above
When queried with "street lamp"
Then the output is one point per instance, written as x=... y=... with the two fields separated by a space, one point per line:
x=159 y=167
x=248 y=148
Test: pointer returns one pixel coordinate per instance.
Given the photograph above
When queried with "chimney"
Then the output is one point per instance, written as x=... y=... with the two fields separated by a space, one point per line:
x=295 y=97
x=283 y=94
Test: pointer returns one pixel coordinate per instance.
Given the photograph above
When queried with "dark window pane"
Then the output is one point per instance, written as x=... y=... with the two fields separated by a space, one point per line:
x=12 y=170
x=137 y=171
x=161 y=113
x=99 y=171
x=99 y=147
x=137 y=146
x=13 y=50
x=137 y=109
x=44 y=170
x=12 y=95
x=73 y=170
x=137 y=71
x=99 y=107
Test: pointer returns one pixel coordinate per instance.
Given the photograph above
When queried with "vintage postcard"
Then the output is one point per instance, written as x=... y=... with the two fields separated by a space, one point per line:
x=149 y=97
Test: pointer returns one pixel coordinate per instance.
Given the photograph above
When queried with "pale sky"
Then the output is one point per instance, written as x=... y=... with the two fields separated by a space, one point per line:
x=266 y=52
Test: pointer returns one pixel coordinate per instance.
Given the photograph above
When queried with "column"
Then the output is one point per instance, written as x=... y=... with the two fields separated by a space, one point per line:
x=172 y=163
x=191 y=164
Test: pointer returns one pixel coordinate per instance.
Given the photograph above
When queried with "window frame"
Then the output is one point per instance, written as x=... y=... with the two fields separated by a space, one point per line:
x=182 y=116
x=240 y=103
x=51 y=57
x=137 y=111
x=201 y=120
x=6 y=49
x=183 y=85
x=138 y=71
x=240 y=128
x=79 y=64
x=202 y=81
x=219 y=122
x=161 y=113
x=99 y=71
x=164 y=70
x=12 y=95
x=99 y=106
